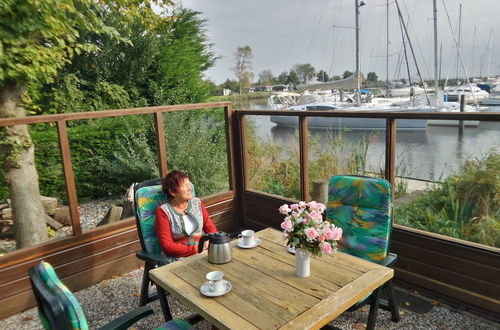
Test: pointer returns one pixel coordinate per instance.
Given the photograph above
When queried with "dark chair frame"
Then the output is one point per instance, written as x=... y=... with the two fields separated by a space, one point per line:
x=54 y=311
x=375 y=299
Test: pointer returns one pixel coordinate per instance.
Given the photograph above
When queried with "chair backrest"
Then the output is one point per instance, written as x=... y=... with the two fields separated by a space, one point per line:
x=148 y=195
x=362 y=207
x=57 y=306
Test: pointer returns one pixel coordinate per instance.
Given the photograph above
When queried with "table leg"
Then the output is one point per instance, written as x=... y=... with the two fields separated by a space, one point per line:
x=372 y=316
x=164 y=303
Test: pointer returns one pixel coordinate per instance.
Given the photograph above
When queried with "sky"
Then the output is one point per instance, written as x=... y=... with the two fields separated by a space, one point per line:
x=283 y=33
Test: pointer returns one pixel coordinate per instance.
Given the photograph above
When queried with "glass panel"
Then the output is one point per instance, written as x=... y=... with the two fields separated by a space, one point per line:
x=451 y=181
x=273 y=157
x=108 y=156
x=50 y=181
x=196 y=144
x=344 y=149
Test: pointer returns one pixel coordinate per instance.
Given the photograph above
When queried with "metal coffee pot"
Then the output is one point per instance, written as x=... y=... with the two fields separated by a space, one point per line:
x=219 y=250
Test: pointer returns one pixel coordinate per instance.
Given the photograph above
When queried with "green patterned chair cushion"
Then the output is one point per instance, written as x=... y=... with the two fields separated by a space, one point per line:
x=148 y=199
x=72 y=308
x=361 y=206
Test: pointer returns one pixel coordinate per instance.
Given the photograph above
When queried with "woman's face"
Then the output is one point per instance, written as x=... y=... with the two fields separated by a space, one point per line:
x=184 y=192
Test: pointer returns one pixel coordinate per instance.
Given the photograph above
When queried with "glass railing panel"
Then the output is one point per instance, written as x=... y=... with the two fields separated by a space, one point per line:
x=196 y=144
x=449 y=178
x=273 y=157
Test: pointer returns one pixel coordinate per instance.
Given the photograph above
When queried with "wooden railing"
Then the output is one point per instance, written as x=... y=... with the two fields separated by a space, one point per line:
x=89 y=257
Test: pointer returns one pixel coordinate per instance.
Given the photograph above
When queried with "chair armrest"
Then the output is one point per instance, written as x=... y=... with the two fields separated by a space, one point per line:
x=125 y=321
x=158 y=259
x=389 y=260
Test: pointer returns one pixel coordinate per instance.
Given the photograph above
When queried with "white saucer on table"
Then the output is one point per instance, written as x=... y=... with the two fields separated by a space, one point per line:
x=290 y=249
x=241 y=244
x=205 y=289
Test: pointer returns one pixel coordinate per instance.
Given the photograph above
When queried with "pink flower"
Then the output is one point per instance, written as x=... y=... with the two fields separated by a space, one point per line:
x=284 y=235
x=326 y=248
x=302 y=204
x=315 y=215
x=312 y=204
x=284 y=209
x=287 y=225
x=337 y=233
x=294 y=207
x=328 y=233
x=321 y=207
x=311 y=233
x=322 y=238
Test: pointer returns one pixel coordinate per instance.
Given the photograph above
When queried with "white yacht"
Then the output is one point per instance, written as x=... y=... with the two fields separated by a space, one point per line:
x=471 y=92
x=494 y=98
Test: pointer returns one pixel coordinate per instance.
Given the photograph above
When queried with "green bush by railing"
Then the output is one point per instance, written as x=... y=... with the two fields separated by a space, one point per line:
x=465 y=206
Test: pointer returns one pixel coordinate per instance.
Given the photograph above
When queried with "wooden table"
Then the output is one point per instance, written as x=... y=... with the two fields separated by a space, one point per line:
x=265 y=292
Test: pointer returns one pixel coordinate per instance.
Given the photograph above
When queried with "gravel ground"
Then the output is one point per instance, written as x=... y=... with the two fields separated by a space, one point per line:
x=111 y=298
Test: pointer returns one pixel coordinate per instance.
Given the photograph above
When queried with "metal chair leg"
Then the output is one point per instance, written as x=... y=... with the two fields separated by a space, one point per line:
x=372 y=316
x=144 y=298
x=164 y=303
x=393 y=306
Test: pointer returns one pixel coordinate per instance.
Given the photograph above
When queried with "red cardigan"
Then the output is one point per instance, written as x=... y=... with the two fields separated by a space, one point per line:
x=178 y=248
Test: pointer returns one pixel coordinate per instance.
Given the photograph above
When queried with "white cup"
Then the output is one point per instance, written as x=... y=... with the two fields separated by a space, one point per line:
x=247 y=237
x=215 y=283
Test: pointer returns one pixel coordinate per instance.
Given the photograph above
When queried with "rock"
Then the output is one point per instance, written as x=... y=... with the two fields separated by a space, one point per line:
x=49 y=204
x=114 y=215
x=3 y=206
x=7 y=214
x=128 y=210
x=62 y=215
x=52 y=222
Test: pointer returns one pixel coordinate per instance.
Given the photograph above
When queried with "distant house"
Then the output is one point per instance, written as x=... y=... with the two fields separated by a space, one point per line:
x=280 y=88
x=226 y=91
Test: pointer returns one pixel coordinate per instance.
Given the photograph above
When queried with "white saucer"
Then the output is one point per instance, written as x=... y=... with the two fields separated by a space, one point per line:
x=205 y=289
x=290 y=249
x=242 y=245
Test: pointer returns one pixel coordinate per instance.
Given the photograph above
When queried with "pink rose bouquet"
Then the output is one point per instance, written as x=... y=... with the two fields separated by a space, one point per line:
x=304 y=228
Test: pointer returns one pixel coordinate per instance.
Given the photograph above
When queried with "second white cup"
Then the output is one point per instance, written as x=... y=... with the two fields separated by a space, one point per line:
x=247 y=236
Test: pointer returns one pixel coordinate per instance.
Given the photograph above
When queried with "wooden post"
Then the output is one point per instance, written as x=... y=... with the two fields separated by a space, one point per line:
x=160 y=141
x=62 y=130
x=390 y=152
x=462 y=109
x=320 y=191
x=304 y=157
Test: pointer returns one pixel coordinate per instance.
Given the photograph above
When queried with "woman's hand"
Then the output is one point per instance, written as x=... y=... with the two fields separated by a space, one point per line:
x=205 y=245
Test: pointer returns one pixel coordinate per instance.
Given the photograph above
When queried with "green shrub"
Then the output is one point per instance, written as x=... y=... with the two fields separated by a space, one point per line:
x=465 y=206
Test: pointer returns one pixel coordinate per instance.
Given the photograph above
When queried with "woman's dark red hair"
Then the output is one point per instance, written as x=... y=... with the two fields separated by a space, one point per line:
x=172 y=181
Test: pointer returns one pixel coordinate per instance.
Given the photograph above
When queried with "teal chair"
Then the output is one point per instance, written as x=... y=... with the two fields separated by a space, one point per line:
x=58 y=308
x=148 y=195
x=362 y=207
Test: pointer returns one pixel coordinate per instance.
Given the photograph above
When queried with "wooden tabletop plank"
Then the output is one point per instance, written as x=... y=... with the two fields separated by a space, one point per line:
x=344 y=298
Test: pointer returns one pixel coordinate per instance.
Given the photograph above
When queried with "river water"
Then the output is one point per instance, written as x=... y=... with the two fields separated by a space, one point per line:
x=427 y=155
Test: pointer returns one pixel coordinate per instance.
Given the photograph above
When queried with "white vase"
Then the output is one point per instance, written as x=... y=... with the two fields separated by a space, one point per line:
x=302 y=263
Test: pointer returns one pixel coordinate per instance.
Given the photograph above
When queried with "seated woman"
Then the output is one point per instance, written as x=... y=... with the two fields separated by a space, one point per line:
x=182 y=220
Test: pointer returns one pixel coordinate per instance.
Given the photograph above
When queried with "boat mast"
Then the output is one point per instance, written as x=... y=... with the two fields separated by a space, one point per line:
x=489 y=55
x=358 y=91
x=387 y=45
x=436 y=61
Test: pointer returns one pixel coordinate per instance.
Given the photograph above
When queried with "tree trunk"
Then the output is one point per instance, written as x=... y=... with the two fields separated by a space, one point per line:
x=20 y=172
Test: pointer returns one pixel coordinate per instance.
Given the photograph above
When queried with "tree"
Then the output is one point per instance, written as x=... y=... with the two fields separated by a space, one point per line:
x=346 y=74
x=44 y=38
x=230 y=84
x=336 y=77
x=305 y=72
x=282 y=78
x=322 y=76
x=243 y=66
x=293 y=78
x=266 y=77
x=372 y=77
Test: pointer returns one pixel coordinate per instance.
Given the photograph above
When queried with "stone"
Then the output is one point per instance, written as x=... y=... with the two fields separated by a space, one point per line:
x=114 y=215
x=49 y=204
x=7 y=214
x=52 y=222
x=128 y=209
x=3 y=206
x=62 y=215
